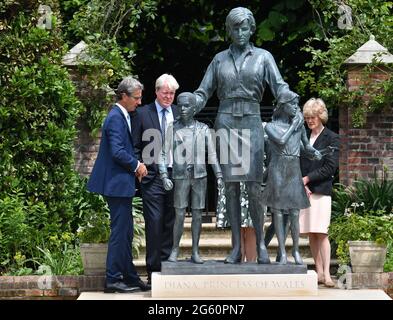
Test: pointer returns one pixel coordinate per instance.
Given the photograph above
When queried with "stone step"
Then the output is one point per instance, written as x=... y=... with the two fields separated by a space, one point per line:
x=209 y=230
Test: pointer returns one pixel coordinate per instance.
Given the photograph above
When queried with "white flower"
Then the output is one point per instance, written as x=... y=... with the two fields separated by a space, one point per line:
x=347 y=212
x=80 y=229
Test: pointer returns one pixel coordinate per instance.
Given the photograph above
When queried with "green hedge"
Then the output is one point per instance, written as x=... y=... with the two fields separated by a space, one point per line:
x=38 y=113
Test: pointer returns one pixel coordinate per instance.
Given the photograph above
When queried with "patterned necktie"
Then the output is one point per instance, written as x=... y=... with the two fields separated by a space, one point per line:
x=163 y=124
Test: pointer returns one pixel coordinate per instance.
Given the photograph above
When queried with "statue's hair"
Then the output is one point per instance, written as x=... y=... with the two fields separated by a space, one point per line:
x=237 y=16
x=191 y=97
x=167 y=80
x=316 y=108
x=128 y=85
x=283 y=98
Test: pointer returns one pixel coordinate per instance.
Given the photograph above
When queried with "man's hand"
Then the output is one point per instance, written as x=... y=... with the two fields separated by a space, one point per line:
x=308 y=191
x=141 y=172
x=168 y=184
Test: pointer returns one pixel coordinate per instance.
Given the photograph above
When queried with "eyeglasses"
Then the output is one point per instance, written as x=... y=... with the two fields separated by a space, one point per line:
x=136 y=98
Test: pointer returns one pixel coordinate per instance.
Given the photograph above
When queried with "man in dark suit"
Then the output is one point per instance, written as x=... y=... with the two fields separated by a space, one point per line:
x=149 y=124
x=113 y=176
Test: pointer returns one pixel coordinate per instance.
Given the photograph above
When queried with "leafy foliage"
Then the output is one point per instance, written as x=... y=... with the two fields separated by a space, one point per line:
x=100 y=23
x=325 y=74
x=388 y=267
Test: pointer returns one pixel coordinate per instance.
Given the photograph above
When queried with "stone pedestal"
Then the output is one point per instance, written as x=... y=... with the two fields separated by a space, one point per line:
x=367 y=280
x=234 y=285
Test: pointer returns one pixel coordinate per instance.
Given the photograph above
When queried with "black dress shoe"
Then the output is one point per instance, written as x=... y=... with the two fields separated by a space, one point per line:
x=120 y=287
x=140 y=284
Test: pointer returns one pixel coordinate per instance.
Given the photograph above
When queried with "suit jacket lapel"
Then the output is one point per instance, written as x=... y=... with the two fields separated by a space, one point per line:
x=125 y=120
x=154 y=116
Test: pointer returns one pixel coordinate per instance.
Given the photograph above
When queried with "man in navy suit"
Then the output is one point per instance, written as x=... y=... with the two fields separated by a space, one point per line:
x=149 y=124
x=113 y=176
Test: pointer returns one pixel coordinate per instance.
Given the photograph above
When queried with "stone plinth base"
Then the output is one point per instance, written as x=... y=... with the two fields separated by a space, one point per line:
x=234 y=285
x=219 y=267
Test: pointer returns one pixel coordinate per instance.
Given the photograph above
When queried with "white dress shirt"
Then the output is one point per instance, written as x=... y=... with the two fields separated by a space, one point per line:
x=127 y=116
x=169 y=119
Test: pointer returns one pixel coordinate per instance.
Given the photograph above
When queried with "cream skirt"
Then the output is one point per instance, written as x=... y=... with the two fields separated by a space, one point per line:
x=316 y=219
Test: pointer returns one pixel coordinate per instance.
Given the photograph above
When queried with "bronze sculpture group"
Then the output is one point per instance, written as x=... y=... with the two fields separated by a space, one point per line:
x=239 y=76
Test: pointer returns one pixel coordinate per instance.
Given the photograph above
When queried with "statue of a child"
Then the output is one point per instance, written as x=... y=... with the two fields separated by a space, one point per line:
x=189 y=140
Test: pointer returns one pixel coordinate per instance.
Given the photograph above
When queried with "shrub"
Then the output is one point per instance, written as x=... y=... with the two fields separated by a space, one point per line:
x=64 y=261
x=14 y=230
x=373 y=226
x=38 y=112
x=363 y=211
x=374 y=195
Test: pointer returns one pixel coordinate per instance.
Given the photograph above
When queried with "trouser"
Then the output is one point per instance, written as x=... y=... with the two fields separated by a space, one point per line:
x=159 y=216
x=119 y=264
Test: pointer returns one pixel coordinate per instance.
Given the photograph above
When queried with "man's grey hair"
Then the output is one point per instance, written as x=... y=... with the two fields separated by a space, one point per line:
x=128 y=85
x=237 y=16
x=167 y=80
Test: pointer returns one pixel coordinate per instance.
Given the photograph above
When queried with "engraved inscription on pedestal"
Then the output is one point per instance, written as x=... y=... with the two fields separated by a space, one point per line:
x=236 y=284
x=231 y=285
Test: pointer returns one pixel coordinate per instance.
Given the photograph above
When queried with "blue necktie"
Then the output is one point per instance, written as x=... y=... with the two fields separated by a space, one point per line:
x=163 y=124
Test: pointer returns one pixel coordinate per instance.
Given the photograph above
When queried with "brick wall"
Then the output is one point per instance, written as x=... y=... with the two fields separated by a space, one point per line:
x=86 y=149
x=48 y=287
x=85 y=146
x=367 y=150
